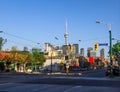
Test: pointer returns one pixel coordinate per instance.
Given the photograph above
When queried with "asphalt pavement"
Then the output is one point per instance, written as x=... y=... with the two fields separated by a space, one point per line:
x=85 y=81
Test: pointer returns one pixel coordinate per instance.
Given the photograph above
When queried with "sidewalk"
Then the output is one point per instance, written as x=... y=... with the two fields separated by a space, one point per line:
x=76 y=73
x=49 y=73
x=63 y=75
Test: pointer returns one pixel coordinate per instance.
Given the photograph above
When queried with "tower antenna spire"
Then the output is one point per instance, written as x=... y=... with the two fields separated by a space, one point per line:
x=66 y=33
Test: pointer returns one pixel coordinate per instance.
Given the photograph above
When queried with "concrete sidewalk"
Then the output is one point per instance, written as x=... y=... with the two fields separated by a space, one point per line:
x=53 y=73
x=78 y=73
x=64 y=73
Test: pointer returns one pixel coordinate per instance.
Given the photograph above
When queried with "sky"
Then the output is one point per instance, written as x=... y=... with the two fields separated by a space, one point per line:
x=28 y=22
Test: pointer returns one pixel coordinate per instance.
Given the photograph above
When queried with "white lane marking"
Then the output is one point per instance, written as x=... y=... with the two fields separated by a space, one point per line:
x=6 y=83
x=71 y=89
x=44 y=87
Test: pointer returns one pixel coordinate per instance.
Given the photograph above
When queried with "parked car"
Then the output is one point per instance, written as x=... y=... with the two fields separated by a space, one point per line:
x=42 y=69
x=108 y=71
x=115 y=71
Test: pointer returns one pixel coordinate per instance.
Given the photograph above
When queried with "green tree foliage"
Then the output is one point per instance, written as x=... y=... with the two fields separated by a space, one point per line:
x=38 y=59
x=2 y=42
x=2 y=66
x=29 y=58
x=116 y=51
x=14 y=48
x=86 y=64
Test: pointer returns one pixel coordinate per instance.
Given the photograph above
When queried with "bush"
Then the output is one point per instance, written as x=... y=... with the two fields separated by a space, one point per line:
x=2 y=66
x=86 y=64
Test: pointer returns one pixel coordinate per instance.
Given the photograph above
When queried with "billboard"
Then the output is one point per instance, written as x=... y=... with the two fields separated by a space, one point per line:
x=91 y=60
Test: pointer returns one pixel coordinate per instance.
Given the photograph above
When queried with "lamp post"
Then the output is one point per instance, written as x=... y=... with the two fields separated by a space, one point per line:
x=79 y=45
x=1 y=31
x=110 y=41
x=56 y=38
x=51 y=61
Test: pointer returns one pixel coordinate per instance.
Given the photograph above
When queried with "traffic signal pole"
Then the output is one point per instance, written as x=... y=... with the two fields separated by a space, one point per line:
x=110 y=43
x=110 y=51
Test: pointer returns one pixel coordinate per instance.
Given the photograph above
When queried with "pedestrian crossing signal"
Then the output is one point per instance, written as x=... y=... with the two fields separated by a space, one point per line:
x=96 y=47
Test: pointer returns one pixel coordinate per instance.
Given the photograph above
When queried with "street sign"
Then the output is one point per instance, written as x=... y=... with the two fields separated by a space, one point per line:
x=103 y=44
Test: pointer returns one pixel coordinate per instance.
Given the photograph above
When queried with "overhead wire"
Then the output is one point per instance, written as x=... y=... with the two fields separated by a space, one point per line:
x=22 y=38
x=19 y=37
x=19 y=43
x=92 y=39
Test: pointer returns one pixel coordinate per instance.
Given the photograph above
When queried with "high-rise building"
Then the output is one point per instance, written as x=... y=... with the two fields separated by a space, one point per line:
x=34 y=49
x=25 y=49
x=88 y=51
x=75 y=49
x=102 y=53
x=47 y=47
x=65 y=49
x=82 y=52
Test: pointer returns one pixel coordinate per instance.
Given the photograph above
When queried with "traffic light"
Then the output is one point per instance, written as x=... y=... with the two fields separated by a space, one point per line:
x=96 y=46
x=70 y=47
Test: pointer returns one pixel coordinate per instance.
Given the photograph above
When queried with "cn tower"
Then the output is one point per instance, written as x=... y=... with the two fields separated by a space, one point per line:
x=66 y=34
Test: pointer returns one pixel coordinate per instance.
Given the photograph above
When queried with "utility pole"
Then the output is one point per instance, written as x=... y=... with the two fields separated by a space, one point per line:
x=110 y=43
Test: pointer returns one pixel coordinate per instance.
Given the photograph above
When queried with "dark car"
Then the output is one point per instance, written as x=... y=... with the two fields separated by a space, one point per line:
x=116 y=71
x=113 y=70
x=108 y=71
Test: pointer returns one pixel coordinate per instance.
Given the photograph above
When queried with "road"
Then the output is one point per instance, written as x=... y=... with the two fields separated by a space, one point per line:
x=89 y=82
x=17 y=87
x=96 y=73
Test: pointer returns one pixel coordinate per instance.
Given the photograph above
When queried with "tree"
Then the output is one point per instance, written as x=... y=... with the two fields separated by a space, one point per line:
x=18 y=58
x=21 y=59
x=38 y=59
x=14 y=48
x=2 y=42
x=86 y=64
x=116 y=51
x=29 y=61
x=5 y=57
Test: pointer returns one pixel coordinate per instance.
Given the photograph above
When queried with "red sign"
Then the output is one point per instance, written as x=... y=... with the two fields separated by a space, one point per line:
x=91 y=60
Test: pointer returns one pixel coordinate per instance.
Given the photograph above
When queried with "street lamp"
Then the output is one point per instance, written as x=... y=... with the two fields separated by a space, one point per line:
x=51 y=60
x=110 y=41
x=56 y=38
x=79 y=45
x=1 y=31
x=59 y=48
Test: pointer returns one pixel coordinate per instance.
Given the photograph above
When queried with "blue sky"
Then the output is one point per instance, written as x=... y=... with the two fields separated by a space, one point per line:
x=27 y=22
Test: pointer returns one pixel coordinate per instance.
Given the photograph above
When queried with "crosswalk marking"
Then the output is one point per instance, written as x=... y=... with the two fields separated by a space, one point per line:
x=72 y=88
x=88 y=78
x=53 y=88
